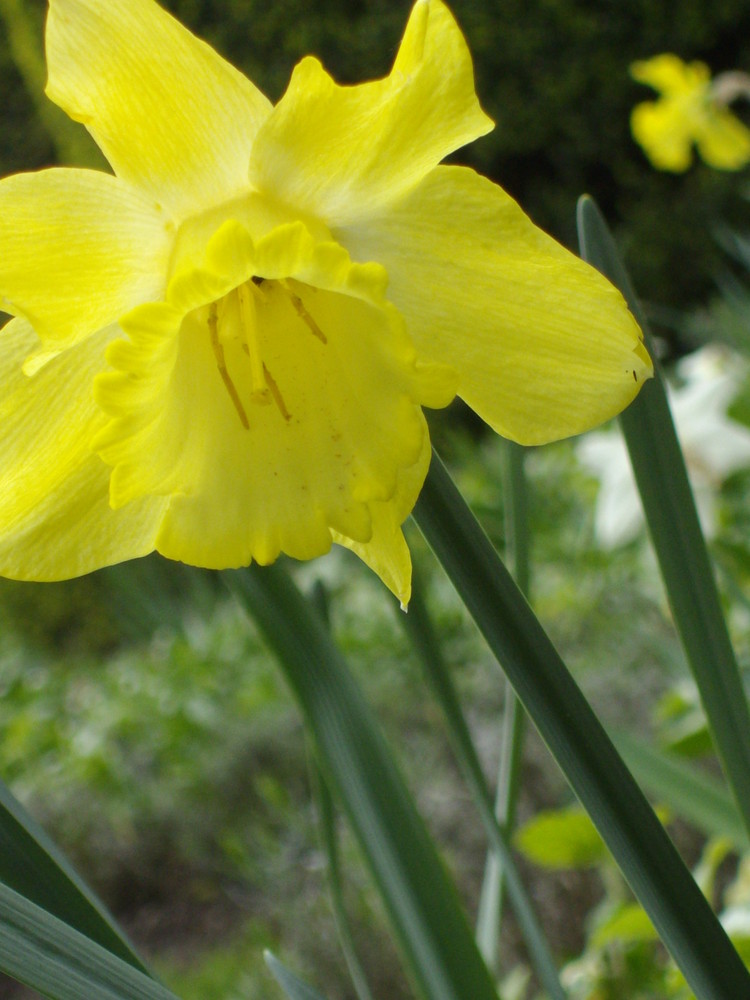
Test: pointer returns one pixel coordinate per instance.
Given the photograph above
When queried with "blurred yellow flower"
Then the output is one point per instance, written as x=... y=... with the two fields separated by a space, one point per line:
x=687 y=113
x=222 y=350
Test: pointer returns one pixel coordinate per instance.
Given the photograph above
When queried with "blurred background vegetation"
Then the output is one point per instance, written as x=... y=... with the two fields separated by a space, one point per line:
x=140 y=718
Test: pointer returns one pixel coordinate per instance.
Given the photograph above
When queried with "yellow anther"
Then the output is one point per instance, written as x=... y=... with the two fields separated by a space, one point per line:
x=213 y=327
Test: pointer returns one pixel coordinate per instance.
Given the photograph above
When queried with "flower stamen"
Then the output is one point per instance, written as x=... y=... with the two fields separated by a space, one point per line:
x=223 y=319
x=213 y=326
x=303 y=313
x=235 y=317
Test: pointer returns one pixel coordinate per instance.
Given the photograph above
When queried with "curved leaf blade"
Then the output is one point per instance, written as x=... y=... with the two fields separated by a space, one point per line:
x=32 y=865
x=59 y=962
x=672 y=518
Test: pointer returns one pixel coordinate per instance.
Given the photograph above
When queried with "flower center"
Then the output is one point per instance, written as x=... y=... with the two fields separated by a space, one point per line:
x=236 y=317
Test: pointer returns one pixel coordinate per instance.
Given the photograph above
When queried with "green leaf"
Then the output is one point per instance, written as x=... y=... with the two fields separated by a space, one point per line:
x=629 y=924
x=46 y=954
x=692 y=794
x=578 y=742
x=561 y=838
x=681 y=724
x=675 y=531
x=294 y=988
x=424 y=911
x=33 y=866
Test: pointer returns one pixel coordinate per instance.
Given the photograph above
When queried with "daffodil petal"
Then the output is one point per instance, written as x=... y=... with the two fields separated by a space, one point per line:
x=55 y=518
x=387 y=553
x=250 y=479
x=544 y=346
x=168 y=112
x=664 y=134
x=341 y=153
x=724 y=142
x=668 y=74
x=79 y=248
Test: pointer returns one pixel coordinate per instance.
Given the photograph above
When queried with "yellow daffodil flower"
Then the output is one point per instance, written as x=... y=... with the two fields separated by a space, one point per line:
x=688 y=112
x=222 y=350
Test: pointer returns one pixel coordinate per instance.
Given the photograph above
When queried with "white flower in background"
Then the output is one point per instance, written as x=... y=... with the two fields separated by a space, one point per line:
x=714 y=445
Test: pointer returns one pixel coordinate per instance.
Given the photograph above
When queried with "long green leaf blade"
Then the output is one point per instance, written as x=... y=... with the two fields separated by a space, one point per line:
x=578 y=742
x=425 y=914
x=675 y=531
x=46 y=954
x=32 y=865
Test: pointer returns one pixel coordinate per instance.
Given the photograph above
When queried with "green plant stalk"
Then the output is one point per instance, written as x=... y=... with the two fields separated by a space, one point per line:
x=60 y=963
x=423 y=908
x=516 y=497
x=490 y=910
x=419 y=626
x=578 y=742
x=329 y=843
x=676 y=535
